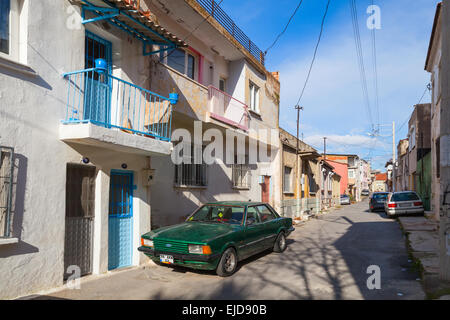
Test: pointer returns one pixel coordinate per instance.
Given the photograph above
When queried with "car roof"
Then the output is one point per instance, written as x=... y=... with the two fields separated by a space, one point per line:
x=380 y=192
x=403 y=192
x=235 y=203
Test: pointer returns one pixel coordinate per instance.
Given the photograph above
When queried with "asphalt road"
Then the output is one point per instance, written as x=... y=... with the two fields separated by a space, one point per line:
x=327 y=258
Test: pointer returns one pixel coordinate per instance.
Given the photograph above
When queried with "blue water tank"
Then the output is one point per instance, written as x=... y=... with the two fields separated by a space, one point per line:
x=101 y=64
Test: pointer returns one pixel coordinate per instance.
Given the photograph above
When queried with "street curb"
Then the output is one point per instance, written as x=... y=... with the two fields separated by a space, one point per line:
x=431 y=283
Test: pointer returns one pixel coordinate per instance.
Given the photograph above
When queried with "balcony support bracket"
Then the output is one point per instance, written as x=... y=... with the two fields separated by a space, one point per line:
x=107 y=13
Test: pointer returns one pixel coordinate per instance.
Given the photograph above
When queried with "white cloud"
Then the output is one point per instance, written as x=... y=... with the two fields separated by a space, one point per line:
x=333 y=101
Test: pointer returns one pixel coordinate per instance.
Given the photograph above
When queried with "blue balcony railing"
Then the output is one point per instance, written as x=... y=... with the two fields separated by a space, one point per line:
x=100 y=98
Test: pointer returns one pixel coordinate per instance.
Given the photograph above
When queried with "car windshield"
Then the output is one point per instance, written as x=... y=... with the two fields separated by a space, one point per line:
x=219 y=214
x=405 y=196
x=379 y=196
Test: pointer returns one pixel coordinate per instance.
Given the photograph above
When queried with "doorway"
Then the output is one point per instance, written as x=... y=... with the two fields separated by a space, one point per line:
x=80 y=200
x=120 y=220
x=97 y=95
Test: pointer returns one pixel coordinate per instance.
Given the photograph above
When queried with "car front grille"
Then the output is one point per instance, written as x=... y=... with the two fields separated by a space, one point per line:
x=170 y=246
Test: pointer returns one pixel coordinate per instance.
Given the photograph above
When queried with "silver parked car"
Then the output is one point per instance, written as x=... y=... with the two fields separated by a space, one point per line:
x=345 y=199
x=405 y=202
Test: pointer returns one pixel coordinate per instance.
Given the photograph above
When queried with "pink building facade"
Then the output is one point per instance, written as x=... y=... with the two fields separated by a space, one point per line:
x=342 y=170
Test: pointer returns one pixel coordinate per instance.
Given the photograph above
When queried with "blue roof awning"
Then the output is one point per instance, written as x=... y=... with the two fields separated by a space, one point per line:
x=132 y=20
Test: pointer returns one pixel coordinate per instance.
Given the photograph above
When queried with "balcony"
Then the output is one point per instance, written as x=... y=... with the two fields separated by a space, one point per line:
x=227 y=109
x=215 y=11
x=103 y=110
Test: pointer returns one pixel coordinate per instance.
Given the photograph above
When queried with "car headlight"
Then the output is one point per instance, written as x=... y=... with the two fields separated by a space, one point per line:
x=147 y=242
x=199 y=249
x=194 y=248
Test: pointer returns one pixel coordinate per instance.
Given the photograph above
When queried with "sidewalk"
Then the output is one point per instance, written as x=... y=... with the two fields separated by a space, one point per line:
x=423 y=242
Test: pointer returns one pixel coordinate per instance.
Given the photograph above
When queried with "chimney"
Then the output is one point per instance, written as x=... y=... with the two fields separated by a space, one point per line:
x=276 y=75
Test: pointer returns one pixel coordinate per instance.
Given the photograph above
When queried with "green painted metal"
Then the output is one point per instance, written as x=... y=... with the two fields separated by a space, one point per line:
x=247 y=239
x=423 y=180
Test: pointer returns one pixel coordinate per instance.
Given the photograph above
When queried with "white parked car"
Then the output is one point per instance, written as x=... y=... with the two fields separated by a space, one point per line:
x=405 y=202
x=345 y=199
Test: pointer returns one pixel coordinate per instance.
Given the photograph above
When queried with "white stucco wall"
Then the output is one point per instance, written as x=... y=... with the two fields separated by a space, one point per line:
x=31 y=108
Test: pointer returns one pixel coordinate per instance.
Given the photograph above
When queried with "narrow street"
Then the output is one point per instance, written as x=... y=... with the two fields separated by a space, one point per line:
x=327 y=258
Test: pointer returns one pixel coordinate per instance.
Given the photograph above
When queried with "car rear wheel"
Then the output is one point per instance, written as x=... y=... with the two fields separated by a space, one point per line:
x=228 y=263
x=280 y=243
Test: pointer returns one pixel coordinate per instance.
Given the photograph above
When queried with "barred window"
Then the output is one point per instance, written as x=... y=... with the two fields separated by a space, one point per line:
x=241 y=176
x=189 y=173
x=6 y=181
x=241 y=172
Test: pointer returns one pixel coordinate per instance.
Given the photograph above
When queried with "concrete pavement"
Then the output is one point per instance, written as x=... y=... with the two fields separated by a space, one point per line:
x=327 y=258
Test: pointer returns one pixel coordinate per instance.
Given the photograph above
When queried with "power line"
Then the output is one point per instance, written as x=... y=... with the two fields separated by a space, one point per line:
x=360 y=59
x=375 y=72
x=427 y=87
x=285 y=28
x=195 y=29
x=315 y=52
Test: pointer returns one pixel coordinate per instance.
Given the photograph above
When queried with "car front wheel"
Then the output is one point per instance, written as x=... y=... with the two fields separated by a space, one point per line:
x=228 y=263
x=280 y=243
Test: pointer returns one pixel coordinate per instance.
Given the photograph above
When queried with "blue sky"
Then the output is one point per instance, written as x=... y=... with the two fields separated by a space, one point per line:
x=333 y=101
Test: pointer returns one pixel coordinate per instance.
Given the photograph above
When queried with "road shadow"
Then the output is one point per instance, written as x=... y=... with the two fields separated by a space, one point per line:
x=323 y=267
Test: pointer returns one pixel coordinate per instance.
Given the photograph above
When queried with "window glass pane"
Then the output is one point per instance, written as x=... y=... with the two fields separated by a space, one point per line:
x=256 y=99
x=407 y=196
x=265 y=214
x=222 y=84
x=5 y=7
x=287 y=179
x=191 y=66
x=252 y=96
x=176 y=60
x=219 y=214
x=380 y=196
x=252 y=216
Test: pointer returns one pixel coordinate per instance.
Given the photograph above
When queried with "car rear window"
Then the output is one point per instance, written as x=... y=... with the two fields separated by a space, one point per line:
x=378 y=196
x=406 y=196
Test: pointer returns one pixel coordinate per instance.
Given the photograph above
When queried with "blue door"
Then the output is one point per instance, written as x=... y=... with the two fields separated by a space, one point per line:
x=97 y=102
x=120 y=220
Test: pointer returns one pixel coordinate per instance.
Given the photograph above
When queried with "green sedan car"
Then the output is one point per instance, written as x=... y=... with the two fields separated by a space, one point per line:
x=218 y=235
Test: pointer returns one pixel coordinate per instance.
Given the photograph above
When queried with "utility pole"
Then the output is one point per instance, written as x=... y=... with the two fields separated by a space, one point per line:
x=325 y=148
x=393 y=156
x=298 y=182
x=444 y=220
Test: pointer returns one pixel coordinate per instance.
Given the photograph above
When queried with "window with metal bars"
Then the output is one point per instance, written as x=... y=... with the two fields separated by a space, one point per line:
x=241 y=176
x=241 y=172
x=6 y=184
x=188 y=173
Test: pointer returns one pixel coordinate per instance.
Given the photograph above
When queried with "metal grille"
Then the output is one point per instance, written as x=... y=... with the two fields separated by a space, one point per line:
x=80 y=199
x=78 y=249
x=225 y=21
x=188 y=173
x=241 y=176
x=171 y=246
x=6 y=183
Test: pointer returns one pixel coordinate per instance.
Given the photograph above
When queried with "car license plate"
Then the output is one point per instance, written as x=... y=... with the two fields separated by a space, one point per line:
x=404 y=205
x=164 y=258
